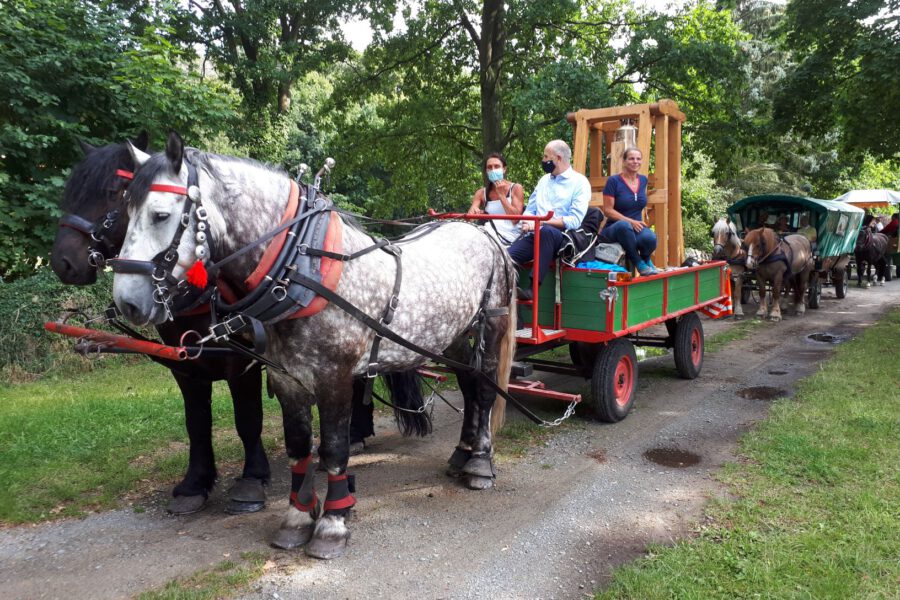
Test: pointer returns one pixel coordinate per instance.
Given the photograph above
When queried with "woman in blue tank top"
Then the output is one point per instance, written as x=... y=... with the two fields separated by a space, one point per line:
x=624 y=200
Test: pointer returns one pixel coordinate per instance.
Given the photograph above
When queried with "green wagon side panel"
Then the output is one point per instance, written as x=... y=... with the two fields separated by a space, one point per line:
x=681 y=292
x=546 y=299
x=709 y=285
x=582 y=306
x=644 y=301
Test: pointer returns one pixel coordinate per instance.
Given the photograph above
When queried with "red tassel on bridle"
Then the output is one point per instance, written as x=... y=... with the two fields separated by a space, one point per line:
x=196 y=275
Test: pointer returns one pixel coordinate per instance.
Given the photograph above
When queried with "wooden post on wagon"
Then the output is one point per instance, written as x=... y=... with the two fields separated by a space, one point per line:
x=658 y=137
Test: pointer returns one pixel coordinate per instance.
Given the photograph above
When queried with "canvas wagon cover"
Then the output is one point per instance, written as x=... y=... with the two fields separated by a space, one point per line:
x=837 y=223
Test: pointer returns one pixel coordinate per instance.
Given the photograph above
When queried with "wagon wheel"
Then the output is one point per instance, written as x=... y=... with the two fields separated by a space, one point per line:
x=688 y=347
x=840 y=278
x=888 y=271
x=583 y=355
x=614 y=380
x=746 y=293
x=814 y=293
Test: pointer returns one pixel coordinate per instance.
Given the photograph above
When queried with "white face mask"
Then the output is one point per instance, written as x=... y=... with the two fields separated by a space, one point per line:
x=495 y=175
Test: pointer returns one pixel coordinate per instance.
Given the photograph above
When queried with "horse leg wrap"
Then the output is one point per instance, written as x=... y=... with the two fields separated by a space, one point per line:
x=480 y=465
x=340 y=490
x=303 y=491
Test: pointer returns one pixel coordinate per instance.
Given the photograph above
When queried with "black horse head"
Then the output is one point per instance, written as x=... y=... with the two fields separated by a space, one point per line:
x=94 y=190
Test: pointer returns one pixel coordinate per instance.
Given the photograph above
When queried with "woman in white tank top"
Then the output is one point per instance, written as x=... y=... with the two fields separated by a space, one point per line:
x=499 y=197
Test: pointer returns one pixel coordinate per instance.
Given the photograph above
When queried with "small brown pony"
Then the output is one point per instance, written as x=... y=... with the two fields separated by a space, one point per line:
x=776 y=260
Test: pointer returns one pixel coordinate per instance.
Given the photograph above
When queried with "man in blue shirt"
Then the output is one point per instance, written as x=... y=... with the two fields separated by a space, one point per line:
x=563 y=191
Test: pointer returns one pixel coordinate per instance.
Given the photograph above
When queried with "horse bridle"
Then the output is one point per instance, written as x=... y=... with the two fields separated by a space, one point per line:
x=717 y=247
x=101 y=248
x=167 y=287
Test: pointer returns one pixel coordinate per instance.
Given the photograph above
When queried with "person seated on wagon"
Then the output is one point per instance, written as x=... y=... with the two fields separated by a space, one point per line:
x=807 y=230
x=499 y=196
x=562 y=190
x=891 y=229
x=624 y=200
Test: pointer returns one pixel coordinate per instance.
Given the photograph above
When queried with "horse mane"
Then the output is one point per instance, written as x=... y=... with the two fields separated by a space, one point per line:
x=764 y=234
x=203 y=161
x=96 y=171
x=723 y=226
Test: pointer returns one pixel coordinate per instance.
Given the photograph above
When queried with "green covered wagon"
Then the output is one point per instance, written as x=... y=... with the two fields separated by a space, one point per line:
x=831 y=225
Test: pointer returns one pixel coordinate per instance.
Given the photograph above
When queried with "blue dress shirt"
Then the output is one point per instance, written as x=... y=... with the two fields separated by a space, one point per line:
x=567 y=195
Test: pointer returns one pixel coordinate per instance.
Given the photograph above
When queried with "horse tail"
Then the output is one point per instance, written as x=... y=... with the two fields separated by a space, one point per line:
x=406 y=396
x=507 y=352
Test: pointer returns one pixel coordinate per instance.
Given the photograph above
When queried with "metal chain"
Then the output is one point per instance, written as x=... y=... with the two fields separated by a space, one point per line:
x=570 y=410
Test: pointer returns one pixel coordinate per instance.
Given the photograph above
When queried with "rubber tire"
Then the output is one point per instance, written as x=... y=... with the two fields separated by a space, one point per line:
x=689 y=346
x=614 y=381
x=841 y=285
x=814 y=293
x=889 y=272
x=746 y=293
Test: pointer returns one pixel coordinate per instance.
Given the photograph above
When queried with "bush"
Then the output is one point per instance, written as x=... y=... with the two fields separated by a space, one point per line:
x=26 y=349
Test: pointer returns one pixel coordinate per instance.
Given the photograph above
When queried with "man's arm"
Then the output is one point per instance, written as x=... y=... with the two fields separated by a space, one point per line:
x=581 y=198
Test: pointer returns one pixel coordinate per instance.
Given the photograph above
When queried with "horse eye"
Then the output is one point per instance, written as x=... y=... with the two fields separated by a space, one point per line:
x=160 y=217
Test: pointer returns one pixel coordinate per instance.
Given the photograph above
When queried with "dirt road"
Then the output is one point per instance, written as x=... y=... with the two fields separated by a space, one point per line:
x=555 y=525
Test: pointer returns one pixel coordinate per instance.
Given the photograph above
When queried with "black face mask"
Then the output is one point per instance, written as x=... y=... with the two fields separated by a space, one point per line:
x=548 y=166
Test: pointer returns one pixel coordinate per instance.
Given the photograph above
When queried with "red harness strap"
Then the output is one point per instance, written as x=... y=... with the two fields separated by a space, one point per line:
x=330 y=268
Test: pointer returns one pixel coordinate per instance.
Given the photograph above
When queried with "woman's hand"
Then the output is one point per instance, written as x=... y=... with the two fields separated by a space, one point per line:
x=526 y=226
x=638 y=226
x=475 y=211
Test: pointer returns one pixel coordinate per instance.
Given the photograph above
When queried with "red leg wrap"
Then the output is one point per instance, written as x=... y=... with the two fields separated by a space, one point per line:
x=298 y=475
x=339 y=496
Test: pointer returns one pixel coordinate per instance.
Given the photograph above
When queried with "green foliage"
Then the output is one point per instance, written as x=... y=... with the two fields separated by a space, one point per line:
x=68 y=70
x=703 y=201
x=846 y=78
x=26 y=349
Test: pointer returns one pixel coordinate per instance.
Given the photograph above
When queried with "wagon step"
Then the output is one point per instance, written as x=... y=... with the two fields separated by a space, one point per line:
x=525 y=335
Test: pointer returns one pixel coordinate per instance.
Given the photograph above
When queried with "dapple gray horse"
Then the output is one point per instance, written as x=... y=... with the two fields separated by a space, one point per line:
x=454 y=279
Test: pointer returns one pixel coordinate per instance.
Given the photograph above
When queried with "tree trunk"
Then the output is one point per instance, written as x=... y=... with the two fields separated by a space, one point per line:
x=491 y=50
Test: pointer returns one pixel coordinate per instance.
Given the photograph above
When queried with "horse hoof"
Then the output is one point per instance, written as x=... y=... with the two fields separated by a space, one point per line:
x=329 y=545
x=453 y=471
x=247 y=489
x=186 y=505
x=247 y=495
x=475 y=482
x=288 y=538
x=457 y=462
x=481 y=466
x=774 y=319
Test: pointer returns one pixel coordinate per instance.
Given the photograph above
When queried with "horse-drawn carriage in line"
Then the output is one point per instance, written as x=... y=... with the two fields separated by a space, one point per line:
x=885 y=200
x=833 y=230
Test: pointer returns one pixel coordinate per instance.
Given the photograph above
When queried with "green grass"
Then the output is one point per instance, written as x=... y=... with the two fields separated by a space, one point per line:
x=226 y=579
x=69 y=445
x=817 y=513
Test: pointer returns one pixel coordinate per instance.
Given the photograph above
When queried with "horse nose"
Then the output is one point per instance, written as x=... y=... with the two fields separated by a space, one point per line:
x=69 y=272
x=132 y=312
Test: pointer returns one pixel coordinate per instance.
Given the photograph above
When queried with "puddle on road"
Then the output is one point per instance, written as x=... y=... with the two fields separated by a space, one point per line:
x=827 y=338
x=778 y=372
x=762 y=392
x=671 y=457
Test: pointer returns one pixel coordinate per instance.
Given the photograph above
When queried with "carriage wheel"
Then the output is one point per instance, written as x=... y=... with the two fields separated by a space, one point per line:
x=889 y=270
x=841 y=284
x=614 y=380
x=688 y=348
x=814 y=292
x=746 y=293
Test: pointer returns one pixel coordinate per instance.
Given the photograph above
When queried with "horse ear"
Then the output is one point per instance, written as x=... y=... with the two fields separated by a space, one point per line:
x=142 y=140
x=175 y=151
x=85 y=147
x=137 y=155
